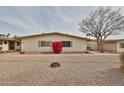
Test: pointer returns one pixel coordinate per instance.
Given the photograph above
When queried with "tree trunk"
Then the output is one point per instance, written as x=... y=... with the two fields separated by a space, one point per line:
x=101 y=45
x=98 y=47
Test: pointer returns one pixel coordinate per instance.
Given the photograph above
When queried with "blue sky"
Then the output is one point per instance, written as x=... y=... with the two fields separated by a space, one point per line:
x=35 y=20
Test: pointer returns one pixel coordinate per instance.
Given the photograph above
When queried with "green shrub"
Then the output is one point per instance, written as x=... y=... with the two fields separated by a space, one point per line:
x=122 y=57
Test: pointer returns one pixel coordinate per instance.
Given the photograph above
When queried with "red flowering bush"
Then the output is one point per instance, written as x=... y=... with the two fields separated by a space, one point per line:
x=57 y=47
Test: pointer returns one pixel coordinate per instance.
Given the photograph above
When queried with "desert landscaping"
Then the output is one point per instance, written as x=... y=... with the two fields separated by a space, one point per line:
x=75 y=69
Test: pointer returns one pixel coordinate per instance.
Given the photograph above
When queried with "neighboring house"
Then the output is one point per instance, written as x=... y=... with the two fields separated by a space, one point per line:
x=114 y=45
x=91 y=45
x=43 y=42
x=8 y=44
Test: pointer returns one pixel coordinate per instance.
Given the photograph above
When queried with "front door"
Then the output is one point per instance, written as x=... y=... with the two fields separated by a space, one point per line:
x=11 y=45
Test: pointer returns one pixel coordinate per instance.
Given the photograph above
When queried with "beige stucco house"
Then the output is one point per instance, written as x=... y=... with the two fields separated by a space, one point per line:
x=43 y=42
x=9 y=44
x=114 y=45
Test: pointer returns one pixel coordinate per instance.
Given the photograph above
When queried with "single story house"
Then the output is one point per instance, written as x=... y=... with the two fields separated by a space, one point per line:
x=9 y=44
x=116 y=45
x=111 y=45
x=43 y=42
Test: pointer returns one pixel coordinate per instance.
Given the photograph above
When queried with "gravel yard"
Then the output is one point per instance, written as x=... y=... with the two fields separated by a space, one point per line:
x=76 y=69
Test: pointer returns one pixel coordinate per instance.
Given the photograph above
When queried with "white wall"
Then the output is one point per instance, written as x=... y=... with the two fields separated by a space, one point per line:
x=110 y=46
x=5 y=47
x=118 y=46
x=31 y=44
x=17 y=47
x=92 y=45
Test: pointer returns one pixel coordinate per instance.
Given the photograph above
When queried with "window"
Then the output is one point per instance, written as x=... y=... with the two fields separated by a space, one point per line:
x=67 y=43
x=18 y=43
x=1 y=42
x=121 y=45
x=5 y=42
x=44 y=43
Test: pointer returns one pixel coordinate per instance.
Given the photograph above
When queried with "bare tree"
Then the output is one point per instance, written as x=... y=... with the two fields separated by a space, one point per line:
x=102 y=23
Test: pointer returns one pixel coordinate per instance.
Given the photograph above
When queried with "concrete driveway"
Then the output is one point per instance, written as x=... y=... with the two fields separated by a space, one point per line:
x=76 y=69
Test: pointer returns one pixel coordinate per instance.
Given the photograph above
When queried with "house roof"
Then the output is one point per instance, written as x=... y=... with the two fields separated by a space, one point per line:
x=114 y=40
x=9 y=38
x=6 y=38
x=54 y=33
